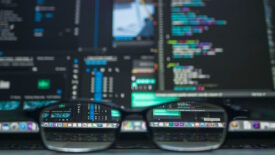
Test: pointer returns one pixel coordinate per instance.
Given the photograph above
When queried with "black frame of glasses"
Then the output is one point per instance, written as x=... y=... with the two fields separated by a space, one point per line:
x=139 y=112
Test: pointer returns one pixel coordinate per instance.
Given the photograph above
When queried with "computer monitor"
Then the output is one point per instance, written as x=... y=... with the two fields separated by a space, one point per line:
x=214 y=48
x=129 y=51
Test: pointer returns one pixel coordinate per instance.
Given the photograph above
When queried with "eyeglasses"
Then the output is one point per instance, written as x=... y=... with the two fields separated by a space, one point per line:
x=85 y=126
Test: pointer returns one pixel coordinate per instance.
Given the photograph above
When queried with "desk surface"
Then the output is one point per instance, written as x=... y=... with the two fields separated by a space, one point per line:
x=148 y=151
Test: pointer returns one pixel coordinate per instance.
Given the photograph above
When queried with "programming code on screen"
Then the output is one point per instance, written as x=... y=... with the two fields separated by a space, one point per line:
x=213 y=48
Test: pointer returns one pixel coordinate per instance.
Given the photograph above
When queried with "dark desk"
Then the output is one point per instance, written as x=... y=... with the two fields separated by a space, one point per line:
x=147 y=152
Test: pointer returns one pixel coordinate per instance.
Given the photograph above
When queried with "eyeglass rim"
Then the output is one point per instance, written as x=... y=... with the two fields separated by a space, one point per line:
x=126 y=112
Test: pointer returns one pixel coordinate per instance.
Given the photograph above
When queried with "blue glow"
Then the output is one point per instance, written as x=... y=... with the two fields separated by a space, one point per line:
x=9 y=105
x=61 y=115
x=40 y=1
x=76 y=61
x=98 y=85
x=96 y=63
x=31 y=105
x=92 y=112
x=59 y=91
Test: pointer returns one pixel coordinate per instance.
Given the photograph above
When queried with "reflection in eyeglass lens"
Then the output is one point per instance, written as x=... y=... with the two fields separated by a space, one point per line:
x=187 y=126
x=79 y=127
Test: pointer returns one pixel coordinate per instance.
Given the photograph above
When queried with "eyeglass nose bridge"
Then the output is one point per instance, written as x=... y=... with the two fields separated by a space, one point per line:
x=135 y=122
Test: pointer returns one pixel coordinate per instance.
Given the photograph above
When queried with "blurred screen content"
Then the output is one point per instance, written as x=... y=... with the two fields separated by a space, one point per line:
x=188 y=126
x=133 y=20
x=79 y=127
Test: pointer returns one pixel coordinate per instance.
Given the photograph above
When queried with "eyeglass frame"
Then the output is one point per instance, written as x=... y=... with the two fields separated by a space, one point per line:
x=125 y=112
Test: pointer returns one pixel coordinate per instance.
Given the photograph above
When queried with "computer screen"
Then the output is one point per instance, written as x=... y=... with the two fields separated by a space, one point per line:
x=63 y=26
x=92 y=49
x=214 y=48
x=133 y=23
x=136 y=53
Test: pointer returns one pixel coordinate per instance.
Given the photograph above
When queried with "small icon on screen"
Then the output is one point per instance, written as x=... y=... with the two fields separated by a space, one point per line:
x=5 y=127
x=256 y=125
x=23 y=126
x=30 y=126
